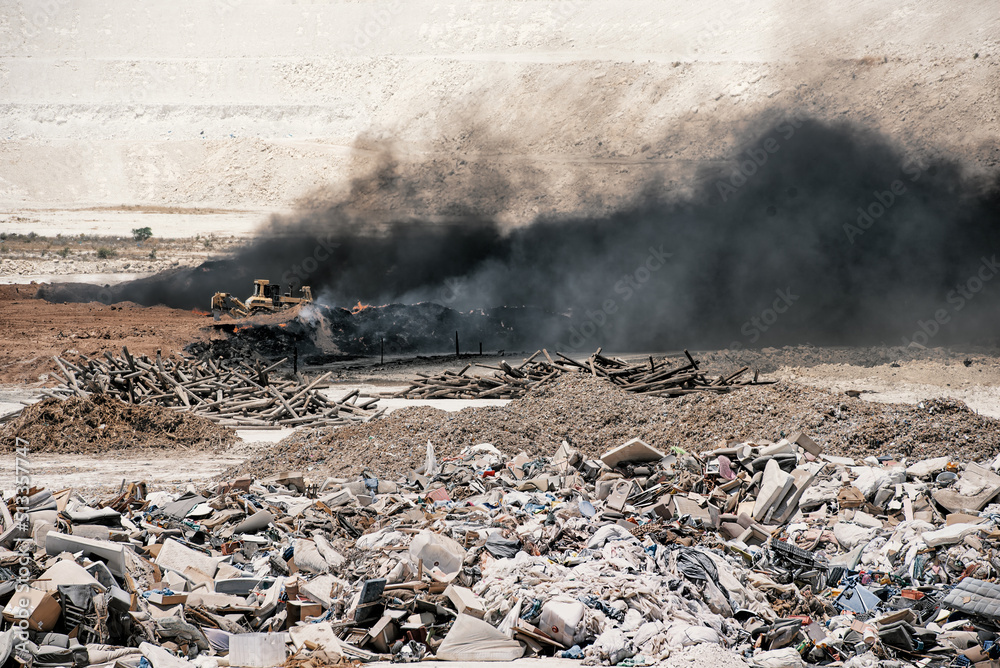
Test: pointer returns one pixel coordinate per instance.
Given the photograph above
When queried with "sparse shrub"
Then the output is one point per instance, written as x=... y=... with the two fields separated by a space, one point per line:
x=106 y=253
x=142 y=233
x=152 y=254
x=64 y=252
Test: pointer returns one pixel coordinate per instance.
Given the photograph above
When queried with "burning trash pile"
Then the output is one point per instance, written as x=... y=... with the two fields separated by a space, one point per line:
x=322 y=333
x=777 y=551
x=510 y=382
x=229 y=394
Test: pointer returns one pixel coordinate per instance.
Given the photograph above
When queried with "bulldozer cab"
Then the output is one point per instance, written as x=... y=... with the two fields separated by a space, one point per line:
x=263 y=289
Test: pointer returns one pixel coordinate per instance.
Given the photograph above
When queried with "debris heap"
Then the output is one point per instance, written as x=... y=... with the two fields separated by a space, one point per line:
x=510 y=382
x=100 y=423
x=232 y=395
x=777 y=551
x=590 y=413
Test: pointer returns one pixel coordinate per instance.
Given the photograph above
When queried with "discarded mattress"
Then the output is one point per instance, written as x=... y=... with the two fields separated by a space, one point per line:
x=975 y=597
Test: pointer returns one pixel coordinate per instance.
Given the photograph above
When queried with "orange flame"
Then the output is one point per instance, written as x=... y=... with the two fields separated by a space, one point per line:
x=360 y=307
x=282 y=324
x=244 y=327
x=198 y=311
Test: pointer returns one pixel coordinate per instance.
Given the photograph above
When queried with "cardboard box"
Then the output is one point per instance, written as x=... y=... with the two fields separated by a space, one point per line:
x=298 y=611
x=40 y=607
x=171 y=599
x=850 y=497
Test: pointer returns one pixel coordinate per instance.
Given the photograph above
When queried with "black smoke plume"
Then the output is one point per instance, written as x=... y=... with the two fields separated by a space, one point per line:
x=814 y=232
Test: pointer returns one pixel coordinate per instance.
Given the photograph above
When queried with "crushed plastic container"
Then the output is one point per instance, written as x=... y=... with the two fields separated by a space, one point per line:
x=437 y=551
x=563 y=620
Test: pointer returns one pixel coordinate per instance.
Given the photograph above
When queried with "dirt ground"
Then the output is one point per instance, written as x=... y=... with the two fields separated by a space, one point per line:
x=31 y=331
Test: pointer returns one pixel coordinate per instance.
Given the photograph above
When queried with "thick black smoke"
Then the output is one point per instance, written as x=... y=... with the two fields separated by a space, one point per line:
x=814 y=232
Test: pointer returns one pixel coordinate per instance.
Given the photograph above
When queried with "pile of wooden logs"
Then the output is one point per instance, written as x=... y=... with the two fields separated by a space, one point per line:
x=510 y=382
x=242 y=397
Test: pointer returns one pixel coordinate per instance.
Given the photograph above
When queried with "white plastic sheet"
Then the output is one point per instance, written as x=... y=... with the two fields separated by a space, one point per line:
x=472 y=639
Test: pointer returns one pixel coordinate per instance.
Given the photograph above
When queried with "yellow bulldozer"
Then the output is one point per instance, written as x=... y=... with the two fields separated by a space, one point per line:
x=266 y=298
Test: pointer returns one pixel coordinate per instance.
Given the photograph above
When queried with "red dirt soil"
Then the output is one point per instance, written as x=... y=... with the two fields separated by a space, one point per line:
x=33 y=330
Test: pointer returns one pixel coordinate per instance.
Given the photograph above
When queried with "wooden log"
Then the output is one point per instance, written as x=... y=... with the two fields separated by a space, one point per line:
x=70 y=378
x=572 y=362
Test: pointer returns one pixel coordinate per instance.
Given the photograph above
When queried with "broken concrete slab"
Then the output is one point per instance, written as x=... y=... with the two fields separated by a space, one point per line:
x=976 y=487
x=113 y=554
x=178 y=557
x=949 y=535
x=774 y=485
x=636 y=450
x=927 y=467
x=789 y=505
x=802 y=440
x=465 y=601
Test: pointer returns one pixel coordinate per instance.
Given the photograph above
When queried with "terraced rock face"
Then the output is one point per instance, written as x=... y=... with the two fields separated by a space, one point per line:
x=560 y=106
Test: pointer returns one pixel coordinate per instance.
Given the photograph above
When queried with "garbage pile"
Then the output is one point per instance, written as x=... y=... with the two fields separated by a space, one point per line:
x=100 y=423
x=657 y=378
x=777 y=551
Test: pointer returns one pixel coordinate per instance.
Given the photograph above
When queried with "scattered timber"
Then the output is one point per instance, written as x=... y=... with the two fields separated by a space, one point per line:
x=510 y=382
x=236 y=396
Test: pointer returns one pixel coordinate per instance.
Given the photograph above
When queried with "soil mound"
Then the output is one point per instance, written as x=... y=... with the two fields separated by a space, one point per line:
x=594 y=416
x=100 y=423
